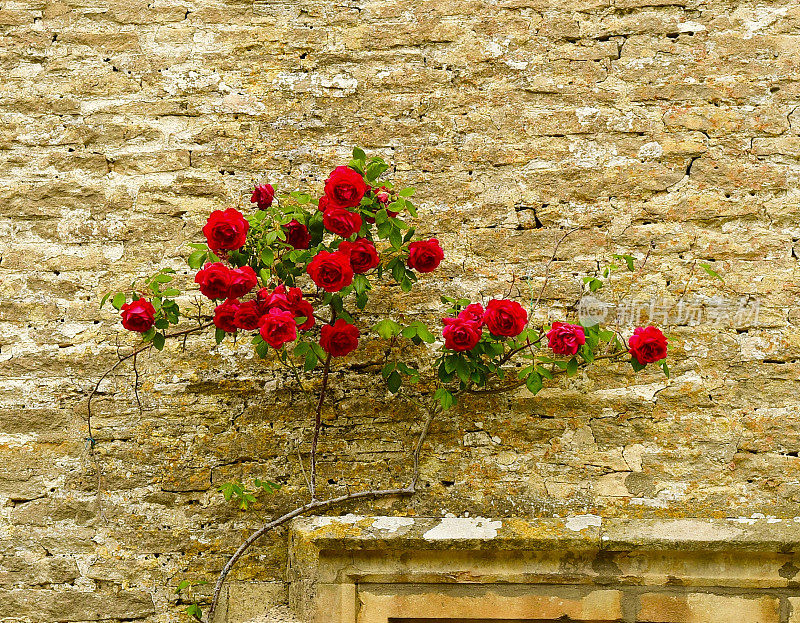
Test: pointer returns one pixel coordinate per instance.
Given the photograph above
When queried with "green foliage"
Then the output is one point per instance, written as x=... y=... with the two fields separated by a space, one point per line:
x=710 y=271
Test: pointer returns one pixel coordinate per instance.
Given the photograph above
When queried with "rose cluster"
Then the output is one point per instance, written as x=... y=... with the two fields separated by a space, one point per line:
x=503 y=318
x=278 y=314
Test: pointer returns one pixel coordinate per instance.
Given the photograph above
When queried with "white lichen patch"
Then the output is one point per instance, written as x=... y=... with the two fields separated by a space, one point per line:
x=581 y=522
x=392 y=524
x=463 y=528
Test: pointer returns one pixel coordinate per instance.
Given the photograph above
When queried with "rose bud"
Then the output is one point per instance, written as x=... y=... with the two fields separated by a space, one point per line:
x=278 y=327
x=263 y=196
x=224 y=315
x=339 y=339
x=297 y=234
x=363 y=255
x=226 y=230
x=345 y=187
x=565 y=339
x=647 y=345
x=323 y=204
x=425 y=255
x=341 y=221
x=331 y=271
x=461 y=334
x=242 y=281
x=138 y=315
x=214 y=280
x=505 y=318
x=473 y=313
x=382 y=195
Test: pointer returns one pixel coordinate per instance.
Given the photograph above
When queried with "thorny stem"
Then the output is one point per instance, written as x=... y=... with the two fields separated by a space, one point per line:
x=316 y=504
x=120 y=360
x=318 y=425
x=302 y=510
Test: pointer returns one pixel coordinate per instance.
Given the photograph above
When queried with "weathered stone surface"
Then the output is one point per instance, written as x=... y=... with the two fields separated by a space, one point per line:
x=663 y=128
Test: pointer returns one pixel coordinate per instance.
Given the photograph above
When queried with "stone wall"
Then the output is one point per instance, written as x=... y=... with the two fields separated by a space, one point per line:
x=669 y=129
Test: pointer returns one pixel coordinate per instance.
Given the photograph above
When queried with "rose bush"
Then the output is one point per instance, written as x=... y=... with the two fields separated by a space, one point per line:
x=293 y=276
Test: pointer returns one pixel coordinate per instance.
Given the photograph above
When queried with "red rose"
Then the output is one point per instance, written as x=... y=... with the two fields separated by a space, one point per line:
x=263 y=196
x=297 y=234
x=276 y=299
x=461 y=334
x=138 y=315
x=341 y=221
x=504 y=317
x=425 y=255
x=363 y=255
x=331 y=271
x=323 y=203
x=304 y=309
x=473 y=313
x=278 y=327
x=242 y=281
x=226 y=230
x=565 y=339
x=345 y=187
x=214 y=280
x=647 y=345
x=248 y=316
x=224 y=315
x=339 y=339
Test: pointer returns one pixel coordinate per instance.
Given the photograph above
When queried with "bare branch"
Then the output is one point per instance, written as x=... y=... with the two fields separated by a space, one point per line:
x=318 y=425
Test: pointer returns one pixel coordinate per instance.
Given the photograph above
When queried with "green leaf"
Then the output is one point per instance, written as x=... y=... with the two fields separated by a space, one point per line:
x=406 y=285
x=148 y=335
x=707 y=267
x=398 y=271
x=158 y=341
x=267 y=256
x=219 y=335
x=665 y=367
x=423 y=332
x=407 y=192
x=375 y=169
x=162 y=278
x=267 y=485
x=396 y=238
x=196 y=259
x=358 y=154
x=360 y=283
x=104 y=299
x=446 y=398
x=310 y=362
x=606 y=335
x=387 y=328
x=388 y=369
x=183 y=584
x=394 y=381
x=462 y=369
x=171 y=292
x=628 y=259
x=533 y=383
x=595 y=285
x=195 y=612
x=119 y=300
x=636 y=365
x=572 y=367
